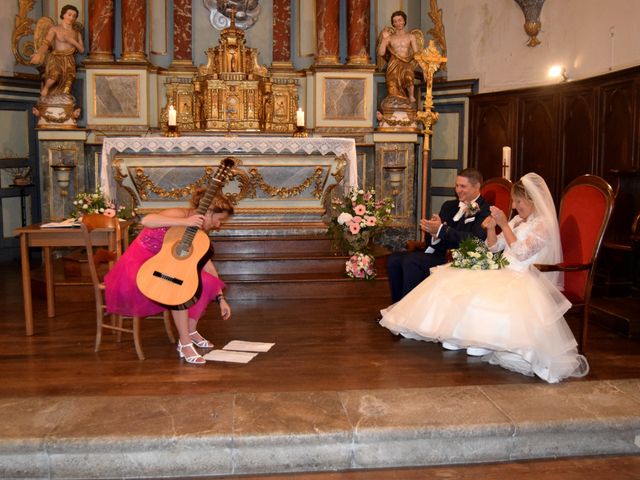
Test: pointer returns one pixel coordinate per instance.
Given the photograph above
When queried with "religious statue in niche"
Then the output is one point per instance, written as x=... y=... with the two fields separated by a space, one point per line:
x=55 y=49
x=246 y=13
x=396 y=47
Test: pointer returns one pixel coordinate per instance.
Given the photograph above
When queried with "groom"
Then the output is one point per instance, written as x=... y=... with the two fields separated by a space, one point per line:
x=458 y=219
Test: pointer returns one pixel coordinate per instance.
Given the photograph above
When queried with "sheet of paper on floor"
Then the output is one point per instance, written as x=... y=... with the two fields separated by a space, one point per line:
x=229 y=356
x=242 y=346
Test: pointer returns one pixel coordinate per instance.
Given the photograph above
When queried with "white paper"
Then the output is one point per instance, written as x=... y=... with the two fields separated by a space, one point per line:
x=229 y=356
x=69 y=222
x=242 y=346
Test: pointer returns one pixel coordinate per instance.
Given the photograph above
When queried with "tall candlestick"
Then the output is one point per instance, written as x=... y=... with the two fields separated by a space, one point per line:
x=300 y=118
x=171 y=119
x=506 y=162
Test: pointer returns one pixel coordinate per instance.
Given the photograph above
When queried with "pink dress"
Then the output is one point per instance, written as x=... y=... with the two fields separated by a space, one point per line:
x=121 y=291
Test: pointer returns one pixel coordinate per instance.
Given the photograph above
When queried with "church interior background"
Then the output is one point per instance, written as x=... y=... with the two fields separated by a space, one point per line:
x=317 y=56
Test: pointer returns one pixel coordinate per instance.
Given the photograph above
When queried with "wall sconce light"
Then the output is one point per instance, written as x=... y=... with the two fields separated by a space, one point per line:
x=396 y=174
x=63 y=176
x=558 y=71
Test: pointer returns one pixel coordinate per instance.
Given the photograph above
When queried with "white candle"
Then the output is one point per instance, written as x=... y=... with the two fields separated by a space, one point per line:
x=300 y=118
x=506 y=162
x=171 y=120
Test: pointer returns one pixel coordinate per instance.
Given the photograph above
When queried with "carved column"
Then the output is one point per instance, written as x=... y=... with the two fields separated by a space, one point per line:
x=182 y=34
x=134 y=22
x=358 y=19
x=328 y=32
x=282 y=34
x=101 y=23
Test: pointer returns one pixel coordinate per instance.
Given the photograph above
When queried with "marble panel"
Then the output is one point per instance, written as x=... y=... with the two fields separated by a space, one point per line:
x=116 y=95
x=344 y=98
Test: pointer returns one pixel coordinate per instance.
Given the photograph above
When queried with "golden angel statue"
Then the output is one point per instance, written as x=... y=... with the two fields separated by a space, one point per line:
x=55 y=48
x=396 y=47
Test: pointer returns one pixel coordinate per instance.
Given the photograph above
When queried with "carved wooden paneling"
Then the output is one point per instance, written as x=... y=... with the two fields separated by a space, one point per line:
x=577 y=137
x=536 y=139
x=493 y=123
x=563 y=131
x=617 y=128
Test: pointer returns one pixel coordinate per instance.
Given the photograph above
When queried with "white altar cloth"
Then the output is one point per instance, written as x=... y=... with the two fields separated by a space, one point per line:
x=293 y=145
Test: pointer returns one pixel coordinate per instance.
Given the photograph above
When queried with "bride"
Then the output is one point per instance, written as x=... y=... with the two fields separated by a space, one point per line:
x=513 y=316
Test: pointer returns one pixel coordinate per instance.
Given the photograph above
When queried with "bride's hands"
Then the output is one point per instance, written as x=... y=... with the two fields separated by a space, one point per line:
x=489 y=222
x=499 y=217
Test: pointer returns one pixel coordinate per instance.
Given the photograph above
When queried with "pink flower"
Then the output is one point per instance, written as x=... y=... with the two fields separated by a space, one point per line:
x=357 y=219
x=370 y=221
x=360 y=209
x=354 y=228
x=109 y=212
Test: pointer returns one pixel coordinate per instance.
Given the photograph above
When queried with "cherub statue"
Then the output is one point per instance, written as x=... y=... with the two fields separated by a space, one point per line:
x=64 y=40
x=397 y=47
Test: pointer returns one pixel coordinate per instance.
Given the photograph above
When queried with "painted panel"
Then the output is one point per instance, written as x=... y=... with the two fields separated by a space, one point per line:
x=158 y=12
x=14 y=136
x=446 y=141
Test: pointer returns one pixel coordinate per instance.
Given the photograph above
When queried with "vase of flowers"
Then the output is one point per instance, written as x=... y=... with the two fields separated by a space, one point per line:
x=96 y=203
x=355 y=220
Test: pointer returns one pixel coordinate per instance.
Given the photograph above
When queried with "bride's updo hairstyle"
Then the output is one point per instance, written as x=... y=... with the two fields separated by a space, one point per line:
x=518 y=190
x=219 y=204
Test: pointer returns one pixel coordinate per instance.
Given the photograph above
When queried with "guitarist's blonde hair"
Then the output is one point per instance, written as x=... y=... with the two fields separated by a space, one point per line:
x=220 y=202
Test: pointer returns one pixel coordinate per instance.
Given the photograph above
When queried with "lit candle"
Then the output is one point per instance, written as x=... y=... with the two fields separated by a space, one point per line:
x=300 y=118
x=171 y=116
x=506 y=162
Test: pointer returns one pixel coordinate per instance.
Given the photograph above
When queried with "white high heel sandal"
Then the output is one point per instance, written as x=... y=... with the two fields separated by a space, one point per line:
x=204 y=343
x=195 y=359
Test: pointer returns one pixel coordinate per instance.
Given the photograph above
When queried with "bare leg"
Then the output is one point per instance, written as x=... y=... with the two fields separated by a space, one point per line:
x=180 y=318
x=48 y=83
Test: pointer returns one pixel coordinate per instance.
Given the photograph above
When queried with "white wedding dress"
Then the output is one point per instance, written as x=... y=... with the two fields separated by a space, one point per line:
x=515 y=312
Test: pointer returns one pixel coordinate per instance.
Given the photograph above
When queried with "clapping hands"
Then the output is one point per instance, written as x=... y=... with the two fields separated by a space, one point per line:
x=497 y=217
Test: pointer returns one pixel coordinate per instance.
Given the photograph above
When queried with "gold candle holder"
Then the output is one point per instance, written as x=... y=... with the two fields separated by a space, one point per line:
x=172 y=131
x=301 y=132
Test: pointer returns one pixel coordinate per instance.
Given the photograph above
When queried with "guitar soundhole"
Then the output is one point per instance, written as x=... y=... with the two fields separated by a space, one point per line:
x=182 y=251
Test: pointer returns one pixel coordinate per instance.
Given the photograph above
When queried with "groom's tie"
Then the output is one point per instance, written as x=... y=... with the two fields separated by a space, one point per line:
x=462 y=208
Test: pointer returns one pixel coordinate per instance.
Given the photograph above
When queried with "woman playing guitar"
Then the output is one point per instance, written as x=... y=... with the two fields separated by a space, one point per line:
x=123 y=296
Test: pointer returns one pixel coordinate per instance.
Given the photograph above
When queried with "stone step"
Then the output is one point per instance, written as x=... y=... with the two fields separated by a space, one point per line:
x=278 y=432
x=265 y=264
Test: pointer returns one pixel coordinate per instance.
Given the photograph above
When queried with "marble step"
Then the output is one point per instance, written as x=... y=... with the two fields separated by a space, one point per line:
x=277 y=432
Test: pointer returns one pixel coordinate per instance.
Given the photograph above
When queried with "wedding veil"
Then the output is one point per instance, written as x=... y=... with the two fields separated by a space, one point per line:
x=545 y=209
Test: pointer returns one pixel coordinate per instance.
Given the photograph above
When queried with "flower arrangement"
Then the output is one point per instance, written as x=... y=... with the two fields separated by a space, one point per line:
x=360 y=265
x=96 y=202
x=356 y=217
x=475 y=255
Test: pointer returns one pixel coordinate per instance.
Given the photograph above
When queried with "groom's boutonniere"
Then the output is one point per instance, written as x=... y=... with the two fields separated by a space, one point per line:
x=472 y=209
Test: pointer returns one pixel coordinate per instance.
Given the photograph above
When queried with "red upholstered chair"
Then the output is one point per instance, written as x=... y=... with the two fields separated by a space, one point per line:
x=586 y=207
x=497 y=191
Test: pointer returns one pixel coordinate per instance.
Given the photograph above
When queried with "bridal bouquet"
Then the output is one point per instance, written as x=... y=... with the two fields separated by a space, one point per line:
x=356 y=217
x=475 y=255
x=96 y=202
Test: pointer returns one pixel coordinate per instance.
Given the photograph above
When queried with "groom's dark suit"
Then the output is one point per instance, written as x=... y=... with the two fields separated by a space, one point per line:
x=407 y=269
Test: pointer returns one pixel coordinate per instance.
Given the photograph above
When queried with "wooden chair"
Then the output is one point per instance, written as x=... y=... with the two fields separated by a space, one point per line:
x=587 y=203
x=496 y=191
x=99 y=263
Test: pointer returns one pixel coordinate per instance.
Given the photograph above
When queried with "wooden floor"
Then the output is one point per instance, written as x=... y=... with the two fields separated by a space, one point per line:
x=320 y=345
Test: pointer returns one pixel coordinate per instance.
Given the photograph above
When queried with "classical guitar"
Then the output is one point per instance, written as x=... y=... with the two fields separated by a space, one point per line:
x=172 y=276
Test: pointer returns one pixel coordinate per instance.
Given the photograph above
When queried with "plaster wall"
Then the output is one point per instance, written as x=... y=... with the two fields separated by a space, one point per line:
x=486 y=40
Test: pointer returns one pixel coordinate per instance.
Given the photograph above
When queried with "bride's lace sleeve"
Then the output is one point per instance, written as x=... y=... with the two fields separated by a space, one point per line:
x=535 y=239
x=499 y=245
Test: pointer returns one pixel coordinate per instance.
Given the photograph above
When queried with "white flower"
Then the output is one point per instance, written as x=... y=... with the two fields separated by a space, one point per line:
x=344 y=217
